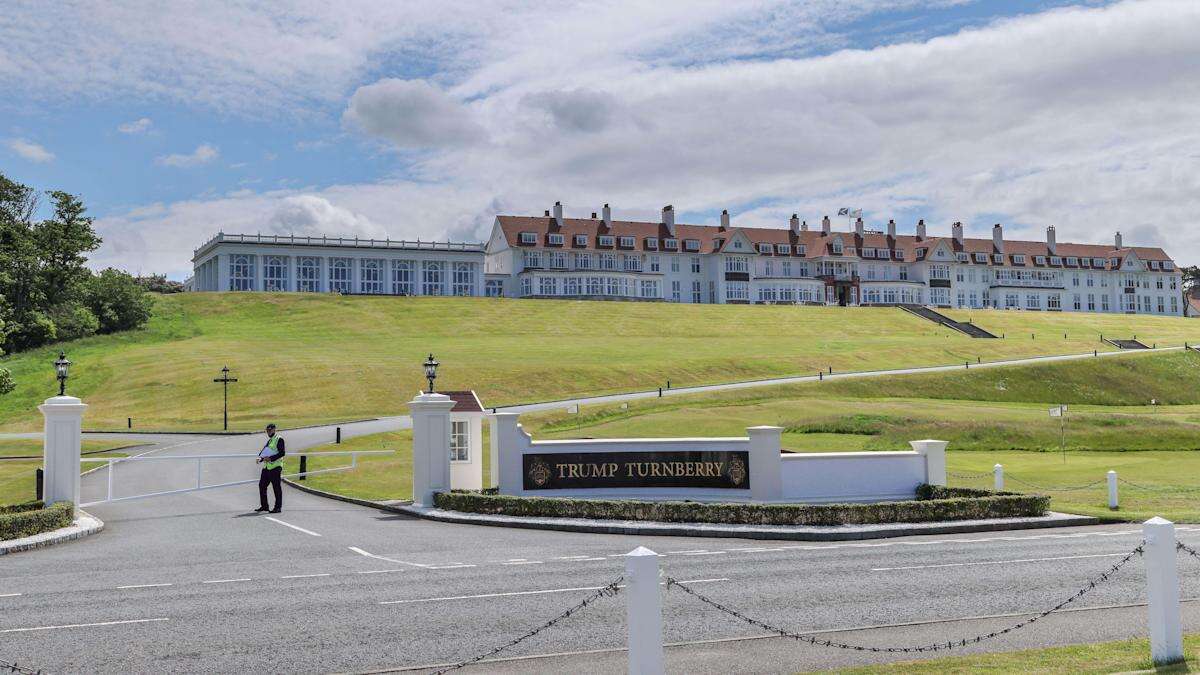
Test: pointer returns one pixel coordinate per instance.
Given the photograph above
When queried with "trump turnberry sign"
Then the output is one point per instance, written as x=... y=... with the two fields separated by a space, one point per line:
x=662 y=469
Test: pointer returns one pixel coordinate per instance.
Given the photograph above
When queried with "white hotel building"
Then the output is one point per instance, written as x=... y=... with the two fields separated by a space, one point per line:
x=599 y=258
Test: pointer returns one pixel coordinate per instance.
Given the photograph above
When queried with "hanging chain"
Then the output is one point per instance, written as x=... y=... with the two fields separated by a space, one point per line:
x=1067 y=488
x=1157 y=488
x=608 y=590
x=937 y=646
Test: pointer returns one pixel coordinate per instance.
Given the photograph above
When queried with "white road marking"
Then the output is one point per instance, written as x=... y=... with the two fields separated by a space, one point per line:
x=515 y=593
x=700 y=553
x=9 y=595
x=997 y=562
x=294 y=527
x=82 y=625
x=523 y=562
x=455 y=566
x=379 y=557
x=223 y=581
x=121 y=588
x=377 y=571
x=587 y=559
x=305 y=576
x=572 y=557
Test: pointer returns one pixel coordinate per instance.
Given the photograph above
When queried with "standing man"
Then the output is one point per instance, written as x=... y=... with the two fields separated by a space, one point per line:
x=272 y=458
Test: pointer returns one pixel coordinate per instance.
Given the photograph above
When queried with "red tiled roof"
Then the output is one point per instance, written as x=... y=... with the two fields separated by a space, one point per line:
x=714 y=239
x=464 y=401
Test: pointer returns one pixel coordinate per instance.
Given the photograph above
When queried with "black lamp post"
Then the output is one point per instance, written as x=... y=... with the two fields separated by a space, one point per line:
x=225 y=379
x=62 y=369
x=430 y=372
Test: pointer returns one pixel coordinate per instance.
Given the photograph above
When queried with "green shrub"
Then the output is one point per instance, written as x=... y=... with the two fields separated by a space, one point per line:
x=23 y=506
x=933 y=503
x=30 y=518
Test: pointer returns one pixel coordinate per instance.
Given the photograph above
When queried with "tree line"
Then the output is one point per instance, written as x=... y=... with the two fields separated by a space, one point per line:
x=47 y=293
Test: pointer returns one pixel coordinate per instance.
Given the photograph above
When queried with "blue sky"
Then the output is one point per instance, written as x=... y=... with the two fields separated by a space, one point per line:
x=411 y=120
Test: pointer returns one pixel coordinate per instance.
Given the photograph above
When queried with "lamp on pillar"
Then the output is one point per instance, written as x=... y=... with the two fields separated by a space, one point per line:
x=431 y=367
x=62 y=368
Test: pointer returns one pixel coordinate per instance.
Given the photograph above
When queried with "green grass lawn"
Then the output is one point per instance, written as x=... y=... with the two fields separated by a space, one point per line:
x=316 y=358
x=17 y=476
x=1103 y=657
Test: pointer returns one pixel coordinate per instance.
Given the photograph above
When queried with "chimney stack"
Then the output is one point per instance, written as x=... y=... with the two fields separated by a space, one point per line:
x=558 y=219
x=956 y=231
x=1051 y=244
x=804 y=226
x=607 y=214
x=794 y=224
x=891 y=228
x=998 y=238
x=858 y=227
x=825 y=226
x=593 y=215
x=1117 y=241
x=724 y=219
x=921 y=229
x=668 y=218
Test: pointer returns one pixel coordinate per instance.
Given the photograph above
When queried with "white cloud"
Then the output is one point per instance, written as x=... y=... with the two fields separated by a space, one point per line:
x=203 y=154
x=411 y=114
x=1081 y=118
x=30 y=150
x=138 y=126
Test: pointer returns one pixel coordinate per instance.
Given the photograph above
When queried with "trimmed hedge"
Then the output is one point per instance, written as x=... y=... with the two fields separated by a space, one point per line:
x=30 y=518
x=933 y=503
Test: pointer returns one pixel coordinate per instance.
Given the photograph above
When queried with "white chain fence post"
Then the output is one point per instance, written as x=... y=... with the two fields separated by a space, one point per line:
x=998 y=477
x=1113 y=502
x=643 y=606
x=1162 y=591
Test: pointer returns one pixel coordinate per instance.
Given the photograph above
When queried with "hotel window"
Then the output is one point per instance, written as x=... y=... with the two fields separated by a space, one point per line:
x=1161 y=309
x=695 y=265
x=339 y=275
x=605 y=240
x=1075 y=279
x=1018 y=259
x=981 y=257
x=1098 y=263
x=939 y=272
x=958 y=274
x=533 y=259
x=836 y=247
x=850 y=251
x=1085 y=262
x=998 y=258
x=1153 y=264
x=1159 y=281
x=633 y=263
x=800 y=249
x=1174 y=305
x=1168 y=265
x=370 y=276
x=1012 y=300
x=494 y=288
x=558 y=260
x=613 y=287
x=1072 y=262
x=697 y=292
x=674 y=263
x=737 y=290
x=898 y=254
x=1054 y=301
x=581 y=240
x=868 y=253
x=275 y=273
x=652 y=243
x=583 y=261
x=1077 y=302
x=1091 y=302
x=528 y=238
x=787 y=268
x=555 y=239
x=571 y=286
x=737 y=264
x=241 y=272
x=904 y=273
x=764 y=248
x=921 y=254
x=402 y=277
x=433 y=277
x=962 y=257
x=464 y=278
x=768 y=268
x=1033 y=301
x=547 y=286
x=649 y=288
x=1039 y=260
x=671 y=244
x=676 y=296
x=526 y=287
x=785 y=249
x=654 y=264
x=460 y=441
x=308 y=275
x=595 y=286
x=1055 y=260
x=626 y=242
x=962 y=299
x=1115 y=262
x=608 y=261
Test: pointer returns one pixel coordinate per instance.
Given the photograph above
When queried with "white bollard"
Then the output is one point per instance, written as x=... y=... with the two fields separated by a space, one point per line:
x=1112 y=490
x=60 y=450
x=998 y=477
x=1162 y=591
x=643 y=607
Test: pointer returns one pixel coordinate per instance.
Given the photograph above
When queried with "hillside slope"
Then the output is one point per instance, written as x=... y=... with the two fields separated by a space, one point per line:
x=307 y=358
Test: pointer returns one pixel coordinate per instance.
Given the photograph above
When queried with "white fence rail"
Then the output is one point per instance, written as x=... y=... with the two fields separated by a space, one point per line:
x=199 y=459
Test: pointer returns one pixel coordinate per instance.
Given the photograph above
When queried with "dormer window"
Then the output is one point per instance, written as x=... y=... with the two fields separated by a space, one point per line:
x=528 y=238
x=1085 y=262
x=899 y=254
x=555 y=239
x=783 y=248
x=1018 y=259
x=604 y=240
x=652 y=243
x=850 y=250
x=765 y=249
x=1168 y=265
x=801 y=249
x=671 y=244
x=691 y=244
x=581 y=241
x=1153 y=264
x=1073 y=262
x=962 y=257
x=1098 y=263
x=836 y=247
x=1116 y=262
x=1055 y=260
x=981 y=257
x=1039 y=260
x=625 y=242
x=998 y=258
x=868 y=253
x=920 y=253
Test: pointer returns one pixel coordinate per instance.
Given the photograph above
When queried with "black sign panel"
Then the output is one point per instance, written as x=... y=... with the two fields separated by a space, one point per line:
x=686 y=469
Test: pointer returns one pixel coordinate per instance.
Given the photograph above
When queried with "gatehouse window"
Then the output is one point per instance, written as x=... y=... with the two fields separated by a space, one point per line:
x=275 y=273
x=241 y=272
x=460 y=441
x=339 y=275
x=402 y=278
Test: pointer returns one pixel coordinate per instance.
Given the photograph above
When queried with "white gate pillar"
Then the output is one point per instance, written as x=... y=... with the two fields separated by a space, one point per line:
x=766 y=463
x=431 y=446
x=60 y=455
x=643 y=609
x=1162 y=591
x=935 y=460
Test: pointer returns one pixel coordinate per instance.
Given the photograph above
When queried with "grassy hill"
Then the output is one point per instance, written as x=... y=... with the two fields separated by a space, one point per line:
x=310 y=358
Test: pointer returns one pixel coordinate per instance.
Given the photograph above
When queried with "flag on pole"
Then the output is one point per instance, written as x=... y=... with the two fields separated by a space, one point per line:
x=856 y=213
x=843 y=211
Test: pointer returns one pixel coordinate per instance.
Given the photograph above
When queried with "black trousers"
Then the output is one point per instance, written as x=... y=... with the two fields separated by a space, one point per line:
x=274 y=478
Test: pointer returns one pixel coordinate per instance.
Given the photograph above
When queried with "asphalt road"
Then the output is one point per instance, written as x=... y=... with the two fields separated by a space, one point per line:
x=198 y=583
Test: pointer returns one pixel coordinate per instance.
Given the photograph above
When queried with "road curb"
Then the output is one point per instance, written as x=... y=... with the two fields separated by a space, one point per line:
x=393 y=506
x=772 y=532
x=85 y=524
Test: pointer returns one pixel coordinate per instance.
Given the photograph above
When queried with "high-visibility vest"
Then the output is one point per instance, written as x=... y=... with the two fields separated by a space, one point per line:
x=272 y=442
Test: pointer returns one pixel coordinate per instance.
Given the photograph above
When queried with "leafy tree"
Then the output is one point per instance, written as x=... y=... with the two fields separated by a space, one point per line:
x=159 y=283
x=1191 y=276
x=62 y=242
x=117 y=300
x=6 y=381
